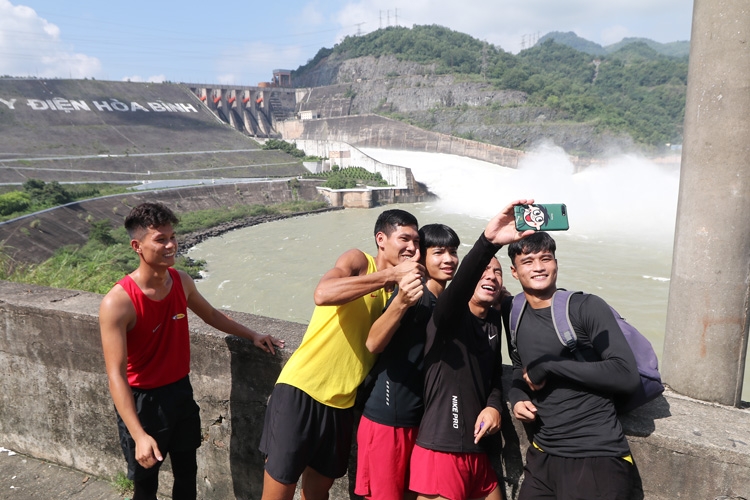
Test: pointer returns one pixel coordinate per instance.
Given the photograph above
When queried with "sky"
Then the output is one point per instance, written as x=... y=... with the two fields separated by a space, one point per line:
x=241 y=43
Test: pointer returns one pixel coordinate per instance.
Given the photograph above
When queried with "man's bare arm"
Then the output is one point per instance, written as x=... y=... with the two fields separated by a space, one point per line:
x=410 y=290
x=217 y=319
x=348 y=280
x=116 y=313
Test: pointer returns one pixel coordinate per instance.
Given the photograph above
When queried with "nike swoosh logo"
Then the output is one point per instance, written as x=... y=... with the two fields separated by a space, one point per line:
x=492 y=336
x=157 y=327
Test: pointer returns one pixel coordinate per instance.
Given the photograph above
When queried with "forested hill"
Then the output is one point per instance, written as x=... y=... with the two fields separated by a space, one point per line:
x=628 y=88
x=672 y=49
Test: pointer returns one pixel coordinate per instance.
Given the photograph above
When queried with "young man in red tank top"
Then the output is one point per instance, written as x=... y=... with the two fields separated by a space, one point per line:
x=146 y=343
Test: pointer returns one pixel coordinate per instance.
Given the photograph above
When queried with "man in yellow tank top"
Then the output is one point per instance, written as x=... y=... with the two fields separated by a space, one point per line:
x=309 y=419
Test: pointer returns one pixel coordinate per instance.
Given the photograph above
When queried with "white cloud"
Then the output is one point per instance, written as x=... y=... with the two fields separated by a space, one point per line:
x=150 y=79
x=311 y=15
x=505 y=23
x=614 y=34
x=31 y=46
x=247 y=65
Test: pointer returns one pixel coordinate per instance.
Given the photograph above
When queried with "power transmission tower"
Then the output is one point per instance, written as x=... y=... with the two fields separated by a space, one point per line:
x=359 y=28
x=484 y=61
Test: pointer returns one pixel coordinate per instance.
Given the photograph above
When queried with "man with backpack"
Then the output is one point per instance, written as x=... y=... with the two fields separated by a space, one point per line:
x=566 y=393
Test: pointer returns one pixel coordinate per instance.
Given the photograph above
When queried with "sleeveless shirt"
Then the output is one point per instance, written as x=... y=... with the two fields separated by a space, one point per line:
x=332 y=359
x=159 y=343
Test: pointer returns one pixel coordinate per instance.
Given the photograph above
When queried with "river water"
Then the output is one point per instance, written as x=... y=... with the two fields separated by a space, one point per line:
x=618 y=246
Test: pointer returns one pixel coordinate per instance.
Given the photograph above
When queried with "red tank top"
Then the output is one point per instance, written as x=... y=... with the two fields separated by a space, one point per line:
x=159 y=343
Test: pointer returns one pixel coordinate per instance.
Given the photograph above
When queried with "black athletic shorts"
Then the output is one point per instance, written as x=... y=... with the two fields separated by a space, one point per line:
x=562 y=478
x=169 y=415
x=299 y=432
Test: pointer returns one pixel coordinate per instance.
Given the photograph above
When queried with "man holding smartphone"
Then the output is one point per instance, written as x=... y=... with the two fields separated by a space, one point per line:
x=463 y=370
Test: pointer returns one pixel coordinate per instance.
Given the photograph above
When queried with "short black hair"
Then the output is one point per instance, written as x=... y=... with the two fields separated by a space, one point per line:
x=437 y=235
x=535 y=243
x=389 y=220
x=148 y=215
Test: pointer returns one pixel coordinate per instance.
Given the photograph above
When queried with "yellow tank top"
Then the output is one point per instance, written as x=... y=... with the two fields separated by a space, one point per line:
x=332 y=360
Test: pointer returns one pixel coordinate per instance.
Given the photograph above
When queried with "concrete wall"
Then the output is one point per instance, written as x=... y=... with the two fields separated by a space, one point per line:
x=35 y=237
x=394 y=175
x=406 y=189
x=55 y=405
x=378 y=132
x=372 y=197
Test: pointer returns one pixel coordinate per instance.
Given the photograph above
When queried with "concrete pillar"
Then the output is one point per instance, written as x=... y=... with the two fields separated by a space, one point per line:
x=707 y=319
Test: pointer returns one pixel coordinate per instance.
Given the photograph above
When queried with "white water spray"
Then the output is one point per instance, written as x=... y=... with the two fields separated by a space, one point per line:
x=626 y=197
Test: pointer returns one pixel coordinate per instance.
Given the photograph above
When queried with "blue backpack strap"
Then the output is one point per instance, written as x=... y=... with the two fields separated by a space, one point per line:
x=561 y=319
x=516 y=310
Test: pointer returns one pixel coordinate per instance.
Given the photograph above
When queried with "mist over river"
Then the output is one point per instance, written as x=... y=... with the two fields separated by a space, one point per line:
x=619 y=246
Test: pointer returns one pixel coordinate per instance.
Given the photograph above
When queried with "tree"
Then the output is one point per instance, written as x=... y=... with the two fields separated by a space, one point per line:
x=46 y=194
x=101 y=232
x=15 y=201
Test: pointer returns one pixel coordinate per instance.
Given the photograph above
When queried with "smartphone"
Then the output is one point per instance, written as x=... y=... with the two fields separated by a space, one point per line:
x=541 y=217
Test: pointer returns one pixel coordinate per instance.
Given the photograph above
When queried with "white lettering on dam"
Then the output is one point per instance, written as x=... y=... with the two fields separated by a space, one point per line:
x=9 y=103
x=110 y=105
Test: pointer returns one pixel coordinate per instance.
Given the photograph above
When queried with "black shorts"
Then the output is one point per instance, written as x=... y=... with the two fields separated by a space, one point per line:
x=169 y=415
x=551 y=477
x=299 y=432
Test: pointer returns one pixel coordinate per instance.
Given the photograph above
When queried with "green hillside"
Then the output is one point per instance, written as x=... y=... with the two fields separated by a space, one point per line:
x=574 y=42
x=672 y=49
x=632 y=88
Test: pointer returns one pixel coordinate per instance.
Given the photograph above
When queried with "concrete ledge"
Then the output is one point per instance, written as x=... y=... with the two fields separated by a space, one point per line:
x=55 y=406
x=686 y=448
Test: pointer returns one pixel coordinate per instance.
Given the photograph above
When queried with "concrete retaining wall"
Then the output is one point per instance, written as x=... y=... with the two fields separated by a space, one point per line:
x=35 y=237
x=394 y=175
x=55 y=405
x=372 y=197
x=377 y=132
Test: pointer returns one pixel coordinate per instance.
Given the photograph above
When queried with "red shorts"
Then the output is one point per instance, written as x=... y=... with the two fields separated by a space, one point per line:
x=457 y=476
x=383 y=454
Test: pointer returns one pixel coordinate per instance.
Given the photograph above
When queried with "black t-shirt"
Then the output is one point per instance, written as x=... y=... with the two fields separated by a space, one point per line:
x=463 y=365
x=396 y=381
x=575 y=413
